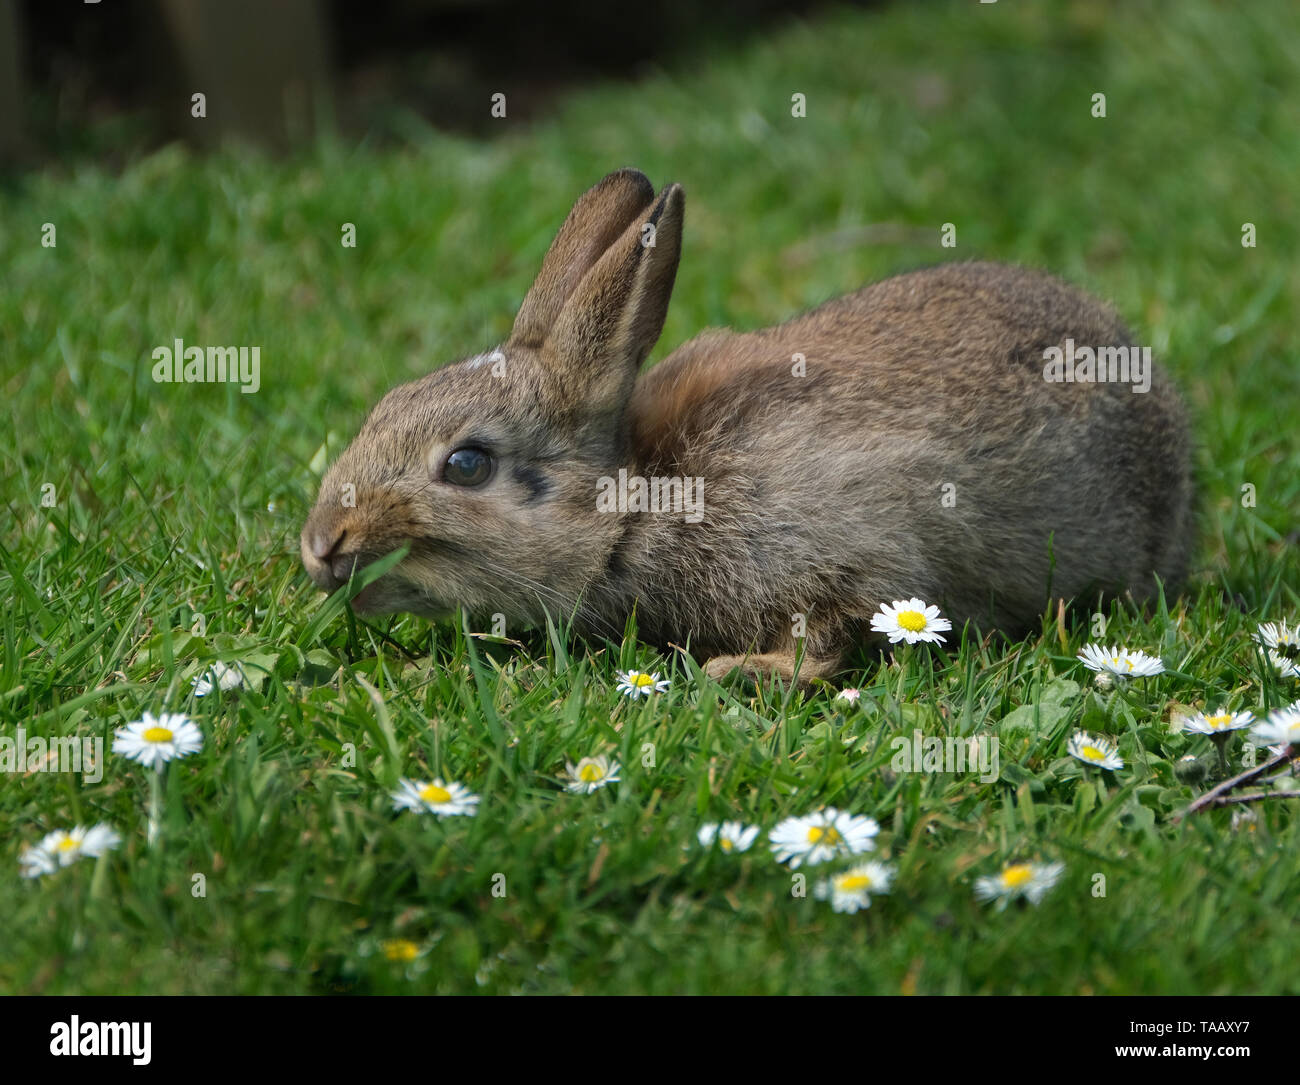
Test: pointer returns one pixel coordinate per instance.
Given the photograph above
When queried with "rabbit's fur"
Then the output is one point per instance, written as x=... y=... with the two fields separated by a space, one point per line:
x=917 y=451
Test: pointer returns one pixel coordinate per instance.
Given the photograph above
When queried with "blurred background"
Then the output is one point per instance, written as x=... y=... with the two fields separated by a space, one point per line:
x=114 y=77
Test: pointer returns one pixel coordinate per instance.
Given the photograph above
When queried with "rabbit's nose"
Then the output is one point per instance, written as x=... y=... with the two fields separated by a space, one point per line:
x=320 y=547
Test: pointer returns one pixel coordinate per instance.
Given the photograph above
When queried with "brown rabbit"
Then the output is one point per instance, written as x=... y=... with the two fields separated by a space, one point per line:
x=900 y=441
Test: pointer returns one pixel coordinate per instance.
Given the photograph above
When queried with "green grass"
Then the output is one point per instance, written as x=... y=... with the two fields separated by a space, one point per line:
x=173 y=500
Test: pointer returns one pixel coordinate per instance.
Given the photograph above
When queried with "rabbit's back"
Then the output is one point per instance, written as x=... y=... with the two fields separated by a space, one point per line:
x=903 y=440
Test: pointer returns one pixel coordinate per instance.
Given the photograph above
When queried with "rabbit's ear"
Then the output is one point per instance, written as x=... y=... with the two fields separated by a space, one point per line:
x=597 y=220
x=613 y=318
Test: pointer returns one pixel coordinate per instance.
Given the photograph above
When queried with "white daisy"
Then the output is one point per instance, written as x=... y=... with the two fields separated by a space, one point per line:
x=639 y=684
x=854 y=888
x=1098 y=752
x=1028 y=880
x=1279 y=637
x=1282 y=728
x=219 y=676
x=910 y=620
x=439 y=798
x=850 y=695
x=730 y=835
x=1120 y=662
x=154 y=741
x=591 y=773
x=1218 y=723
x=827 y=834
x=34 y=860
x=1282 y=665
x=62 y=847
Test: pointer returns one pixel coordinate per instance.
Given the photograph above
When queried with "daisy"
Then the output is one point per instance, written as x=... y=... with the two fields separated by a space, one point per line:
x=827 y=834
x=1220 y=723
x=1120 y=661
x=34 y=860
x=439 y=798
x=850 y=695
x=1028 y=880
x=730 y=835
x=852 y=890
x=218 y=677
x=1282 y=665
x=1243 y=818
x=1098 y=752
x=910 y=620
x=62 y=848
x=402 y=950
x=1281 y=638
x=155 y=741
x=591 y=773
x=639 y=684
x=1282 y=728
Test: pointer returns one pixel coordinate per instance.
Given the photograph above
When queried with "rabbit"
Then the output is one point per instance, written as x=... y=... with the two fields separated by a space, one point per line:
x=899 y=441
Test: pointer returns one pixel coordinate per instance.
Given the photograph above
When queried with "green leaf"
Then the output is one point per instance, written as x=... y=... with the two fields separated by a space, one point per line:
x=1059 y=690
x=154 y=654
x=1039 y=717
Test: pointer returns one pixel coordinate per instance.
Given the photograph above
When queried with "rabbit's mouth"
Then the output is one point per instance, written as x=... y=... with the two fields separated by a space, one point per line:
x=392 y=595
x=383 y=596
x=366 y=603
x=332 y=567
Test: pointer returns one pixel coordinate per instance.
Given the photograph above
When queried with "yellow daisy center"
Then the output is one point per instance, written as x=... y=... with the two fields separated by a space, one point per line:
x=726 y=844
x=911 y=620
x=434 y=793
x=850 y=883
x=823 y=834
x=401 y=949
x=640 y=680
x=1093 y=754
x=66 y=844
x=589 y=774
x=1220 y=721
x=1016 y=876
x=157 y=734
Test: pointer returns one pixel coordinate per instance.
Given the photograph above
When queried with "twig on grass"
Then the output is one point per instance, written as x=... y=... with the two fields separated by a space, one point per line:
x=1215 y=796
x=1257 y=797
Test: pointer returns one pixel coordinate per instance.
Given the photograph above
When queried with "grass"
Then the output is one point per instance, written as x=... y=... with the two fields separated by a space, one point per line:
x=177 y=500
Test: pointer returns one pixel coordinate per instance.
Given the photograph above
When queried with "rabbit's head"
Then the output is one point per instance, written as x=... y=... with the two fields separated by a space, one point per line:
x=488 y=467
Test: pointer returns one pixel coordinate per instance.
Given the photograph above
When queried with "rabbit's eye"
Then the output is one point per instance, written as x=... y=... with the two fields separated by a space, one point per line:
x=467 y=467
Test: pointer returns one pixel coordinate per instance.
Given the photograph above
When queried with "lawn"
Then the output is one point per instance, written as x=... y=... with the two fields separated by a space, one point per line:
x=152 y=529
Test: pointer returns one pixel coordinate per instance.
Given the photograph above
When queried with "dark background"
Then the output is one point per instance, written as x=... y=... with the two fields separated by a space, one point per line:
x=114 y=78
